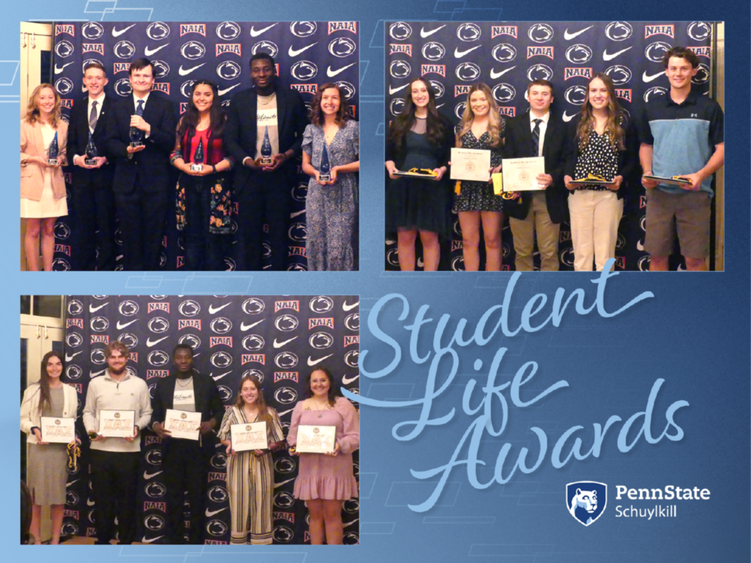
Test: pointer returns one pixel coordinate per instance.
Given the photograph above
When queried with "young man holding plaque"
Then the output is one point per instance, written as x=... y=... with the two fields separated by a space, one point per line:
x=141 y=136
x=185 y=458
x=263 y=134
x=534 y=134
x=115 y=450
x=93 y=201
x=682 y=137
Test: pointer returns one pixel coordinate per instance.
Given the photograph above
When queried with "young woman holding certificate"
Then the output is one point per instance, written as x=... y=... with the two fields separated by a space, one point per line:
x=597 y=162
x=250 y=473
x=481 y=128
x=47 y=462
x=325 y=480
x=418 y=202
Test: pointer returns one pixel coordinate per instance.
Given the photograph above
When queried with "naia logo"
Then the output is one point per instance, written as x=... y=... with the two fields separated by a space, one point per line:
x=65 y=28
x=433 y=69
x=586 y=500
x=93 y=48
x=623 y=93
x=233 y=48
x=199 y=28
x=158 y=307
x=575 y=72
x=305 y=88
x=405 y=48
x=700 y=51
x=511 y=30
x=342 y=26
x=540 y=52
x=74 y=322
x=509 y=111
x=650 y=30
x=161 y=87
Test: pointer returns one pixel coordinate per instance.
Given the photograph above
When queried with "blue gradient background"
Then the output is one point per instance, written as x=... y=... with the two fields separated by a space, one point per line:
x=694 y=334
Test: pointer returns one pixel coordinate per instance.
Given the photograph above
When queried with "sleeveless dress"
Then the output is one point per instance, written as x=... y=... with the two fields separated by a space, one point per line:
x=479 y=196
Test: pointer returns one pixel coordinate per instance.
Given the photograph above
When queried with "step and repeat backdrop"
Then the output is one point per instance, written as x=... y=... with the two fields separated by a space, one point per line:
x=308 y=54
x=506 y=56
x=278 y=339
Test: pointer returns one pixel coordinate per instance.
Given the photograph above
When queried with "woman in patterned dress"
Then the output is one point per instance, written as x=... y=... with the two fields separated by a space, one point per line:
x=250 y=474
x=481 y=128
x=331 y=205
x=596 y=145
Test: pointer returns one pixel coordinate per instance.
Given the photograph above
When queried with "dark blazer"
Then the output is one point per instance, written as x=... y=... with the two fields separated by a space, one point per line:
x=240 y=133
x=151 y=165
x=78 y=138
x=519 y=145
x=208 y=403
x=626 y=157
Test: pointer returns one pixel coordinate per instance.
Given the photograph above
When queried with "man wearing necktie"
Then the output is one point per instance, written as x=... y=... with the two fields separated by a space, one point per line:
x=143 y=183
x=93 y=204
x=538 y=133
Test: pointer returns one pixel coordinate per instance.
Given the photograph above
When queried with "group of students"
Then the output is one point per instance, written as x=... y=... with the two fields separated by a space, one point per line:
x=241 y=161
x=324 y=480
x=680 y=135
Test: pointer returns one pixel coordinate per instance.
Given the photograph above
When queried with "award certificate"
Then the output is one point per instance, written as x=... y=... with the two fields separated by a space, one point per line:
x=182 y=424
x=470 y=164
x=117 y=424
x=316 y=439
x=58 y=430
x=520 y=174
x=249 y=436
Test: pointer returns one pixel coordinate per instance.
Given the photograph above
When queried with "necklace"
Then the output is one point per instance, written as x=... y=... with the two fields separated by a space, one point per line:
x=249 y=414
x=187 y=382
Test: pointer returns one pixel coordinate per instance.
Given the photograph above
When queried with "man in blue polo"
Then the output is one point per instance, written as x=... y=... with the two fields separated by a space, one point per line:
x=682 y=134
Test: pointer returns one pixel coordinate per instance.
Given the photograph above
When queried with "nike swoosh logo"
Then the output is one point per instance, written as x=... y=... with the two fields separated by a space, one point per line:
x=69 y=357
x=569 y=36
x=347 y=307
x=245 y=327
x=69 y=484
x=459 y=54
x=218 y=377
x=89 y=502
x=186 y=71
x=393 y=91
x=294 y=52
x=567 y=117
x=150 y=342
x=296 y=214
x=494 y=74
x=312 y=363
x=285 y=412
x=148 y=52
x=280 y=344
x=93 y=309
x=649 y=78
x=347 y=380
x=277 y=485
x=425 y=34
x=254 y=33
x=210 y=513
x=121 y=326
x=144 y=540
x=147 y=475
x=608 y=57
x=93 y=374
x=213 y=310
x=59 y=69
x=332 y=73
x=119 y=32
x=225 y=90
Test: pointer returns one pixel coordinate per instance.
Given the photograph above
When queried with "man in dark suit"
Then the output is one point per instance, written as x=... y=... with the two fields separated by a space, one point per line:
x=185 y=462
x=267 y=114
x=142 y=174
x=538 y=133
x=92 y=197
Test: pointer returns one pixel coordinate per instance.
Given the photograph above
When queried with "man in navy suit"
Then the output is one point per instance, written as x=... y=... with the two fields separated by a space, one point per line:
x=143 y=186
x=263 y=191
x=538 y=133
x=92 y=197
x=185 y=462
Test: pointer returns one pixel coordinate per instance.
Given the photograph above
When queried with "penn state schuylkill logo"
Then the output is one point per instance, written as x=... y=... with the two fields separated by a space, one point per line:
x=586 y=500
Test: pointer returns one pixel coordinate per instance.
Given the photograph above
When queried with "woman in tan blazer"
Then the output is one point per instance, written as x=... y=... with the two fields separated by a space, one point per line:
x=42 y=184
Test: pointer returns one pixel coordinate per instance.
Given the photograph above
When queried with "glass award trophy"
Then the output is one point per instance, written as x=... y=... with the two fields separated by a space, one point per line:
x=266 y=148
x=136 y=137
x=197 y=164
x=324 y=174
x=91 y=153
x=53 y=151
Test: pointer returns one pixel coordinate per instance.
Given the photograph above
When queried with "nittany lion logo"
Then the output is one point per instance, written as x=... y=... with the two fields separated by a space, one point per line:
x=586 y=500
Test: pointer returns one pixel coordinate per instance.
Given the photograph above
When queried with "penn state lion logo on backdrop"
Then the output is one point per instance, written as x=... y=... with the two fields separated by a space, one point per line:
x=586 y=500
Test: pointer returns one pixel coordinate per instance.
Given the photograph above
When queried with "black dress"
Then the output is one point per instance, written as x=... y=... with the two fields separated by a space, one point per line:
x=479 y=196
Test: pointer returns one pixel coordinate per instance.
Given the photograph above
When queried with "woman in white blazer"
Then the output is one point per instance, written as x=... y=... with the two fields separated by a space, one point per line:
x=47 y=475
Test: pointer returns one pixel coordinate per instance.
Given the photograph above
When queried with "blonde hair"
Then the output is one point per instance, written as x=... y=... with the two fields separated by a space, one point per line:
x=495 y=120
x=32 y=110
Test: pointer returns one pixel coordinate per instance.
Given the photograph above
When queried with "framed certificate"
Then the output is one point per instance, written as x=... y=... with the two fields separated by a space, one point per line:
x=470 y=164
x=316 y=439
x=520 y=174
x=117 y=424
x=58 y=430
x=182 y=424
x=249 y=436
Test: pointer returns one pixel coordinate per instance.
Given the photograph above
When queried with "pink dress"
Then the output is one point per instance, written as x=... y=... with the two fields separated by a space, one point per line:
x=324 y=476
